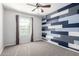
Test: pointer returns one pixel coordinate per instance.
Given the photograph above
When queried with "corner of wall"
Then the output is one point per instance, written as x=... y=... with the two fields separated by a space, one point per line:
x=1 y=28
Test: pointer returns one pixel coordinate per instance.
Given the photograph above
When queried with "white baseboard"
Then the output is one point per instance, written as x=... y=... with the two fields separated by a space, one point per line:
x=8 y=45
x=1 y=50
x=52 y=42
x=76 y=46
x=62 y=46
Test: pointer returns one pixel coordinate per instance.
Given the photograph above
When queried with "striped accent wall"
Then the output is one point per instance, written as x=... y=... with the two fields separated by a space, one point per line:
x=62 y=26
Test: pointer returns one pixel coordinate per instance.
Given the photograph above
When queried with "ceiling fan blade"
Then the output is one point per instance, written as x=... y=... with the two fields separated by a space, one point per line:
x=34 y=9
x=47 y=6
x=31 y=4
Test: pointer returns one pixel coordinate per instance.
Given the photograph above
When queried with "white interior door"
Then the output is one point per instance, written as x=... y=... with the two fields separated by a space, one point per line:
x=25 y=29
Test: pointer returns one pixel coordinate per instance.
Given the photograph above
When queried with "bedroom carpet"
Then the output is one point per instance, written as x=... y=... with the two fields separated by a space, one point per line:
x=37 y=49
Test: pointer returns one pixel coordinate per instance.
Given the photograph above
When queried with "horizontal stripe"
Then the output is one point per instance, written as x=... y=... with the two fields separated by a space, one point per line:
x=70 y=25
x=76 y=42
x=63 y=16
x=68 y=6
x=60 y=13
x=73 y=34
x=44 y=21
x=77 y=11
x=73 y=19
x=48 y=32
x=70 y=18
x=62 y=22
x=53 y=18
x=49 y=37
x=55 y=26
x=44 y=34
x=60 y=42
x=63 y=44
x=67 y=38
x=56 y=35
x=68 y=29
x=64 y=8
x=59 y=32
x=73 y=46
x=46 y=25
x=52 y=21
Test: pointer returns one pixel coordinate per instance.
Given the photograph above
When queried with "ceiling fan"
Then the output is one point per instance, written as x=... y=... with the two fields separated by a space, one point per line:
x=38 y=5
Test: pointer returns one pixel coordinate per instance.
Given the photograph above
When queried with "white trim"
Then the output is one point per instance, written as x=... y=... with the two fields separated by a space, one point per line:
x=9 y=44
x=52 y=42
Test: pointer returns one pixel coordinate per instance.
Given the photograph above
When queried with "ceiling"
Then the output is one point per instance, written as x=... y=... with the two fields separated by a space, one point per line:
x=23 y=7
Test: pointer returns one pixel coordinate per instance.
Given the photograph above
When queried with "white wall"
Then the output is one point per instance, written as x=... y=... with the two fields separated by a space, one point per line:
x=1 y=28
x=37 y=30
x=10 y=26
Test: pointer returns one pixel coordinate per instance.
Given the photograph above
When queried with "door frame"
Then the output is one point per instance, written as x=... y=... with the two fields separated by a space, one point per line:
x=17 y=30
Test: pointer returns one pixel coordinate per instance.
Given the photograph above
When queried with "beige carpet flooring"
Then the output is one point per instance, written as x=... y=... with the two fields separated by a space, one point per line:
x=37 y=49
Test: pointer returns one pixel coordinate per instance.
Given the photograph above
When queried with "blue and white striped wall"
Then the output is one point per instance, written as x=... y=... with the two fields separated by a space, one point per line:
x=62 y=26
